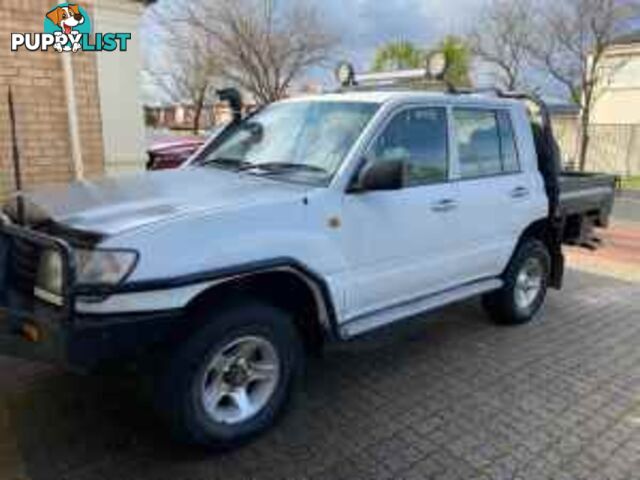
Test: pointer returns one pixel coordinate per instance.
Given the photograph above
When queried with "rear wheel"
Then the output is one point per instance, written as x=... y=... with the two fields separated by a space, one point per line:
x=230 y=381
x=525 y=285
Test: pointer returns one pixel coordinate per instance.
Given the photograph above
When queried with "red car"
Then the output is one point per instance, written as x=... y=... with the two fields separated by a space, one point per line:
x=172 y=153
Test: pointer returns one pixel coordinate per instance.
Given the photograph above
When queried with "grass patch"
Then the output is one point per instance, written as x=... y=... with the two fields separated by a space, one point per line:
x=631 y=183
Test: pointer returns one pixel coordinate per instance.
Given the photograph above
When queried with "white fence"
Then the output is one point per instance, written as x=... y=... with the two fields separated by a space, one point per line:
x=613 y=148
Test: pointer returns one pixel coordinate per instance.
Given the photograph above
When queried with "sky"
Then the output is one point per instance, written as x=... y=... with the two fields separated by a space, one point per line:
x=366 y=24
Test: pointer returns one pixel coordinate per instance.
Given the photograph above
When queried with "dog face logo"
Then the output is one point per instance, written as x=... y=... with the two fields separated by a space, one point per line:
x=67 y=22
x=67 y=18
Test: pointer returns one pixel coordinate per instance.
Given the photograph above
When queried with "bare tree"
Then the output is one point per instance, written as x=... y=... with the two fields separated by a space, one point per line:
x=184 y=68
x=502 y=37
x=571 y=45
x=261 y=46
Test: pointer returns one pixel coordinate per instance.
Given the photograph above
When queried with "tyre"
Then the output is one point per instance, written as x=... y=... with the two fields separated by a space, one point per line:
x=525 y=285
x=233 y=377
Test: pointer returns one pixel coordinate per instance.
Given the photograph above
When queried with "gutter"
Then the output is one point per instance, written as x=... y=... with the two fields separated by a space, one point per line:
x=72 y=114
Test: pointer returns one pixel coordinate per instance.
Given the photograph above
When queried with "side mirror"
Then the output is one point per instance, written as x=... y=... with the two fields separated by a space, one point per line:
x=387 y=175
x=256 y=131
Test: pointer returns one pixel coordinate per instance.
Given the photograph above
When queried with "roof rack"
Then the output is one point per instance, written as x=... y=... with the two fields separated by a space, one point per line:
x=430 y=79
x=413 y=79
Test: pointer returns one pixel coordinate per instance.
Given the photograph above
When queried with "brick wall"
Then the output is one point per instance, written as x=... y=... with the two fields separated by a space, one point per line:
x=40 y=103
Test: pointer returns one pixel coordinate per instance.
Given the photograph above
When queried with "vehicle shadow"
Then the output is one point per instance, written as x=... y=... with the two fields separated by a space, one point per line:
x=74 y=427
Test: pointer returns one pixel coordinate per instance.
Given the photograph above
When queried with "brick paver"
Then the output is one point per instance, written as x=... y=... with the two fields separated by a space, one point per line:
x=618 y=255
x=455 y=398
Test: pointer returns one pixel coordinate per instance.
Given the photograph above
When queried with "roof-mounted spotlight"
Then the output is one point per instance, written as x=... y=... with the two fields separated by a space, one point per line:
x=437 y=66
x=346 y=74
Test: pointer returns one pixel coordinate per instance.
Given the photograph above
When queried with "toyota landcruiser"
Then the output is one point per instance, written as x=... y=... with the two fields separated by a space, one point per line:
x=313 y=220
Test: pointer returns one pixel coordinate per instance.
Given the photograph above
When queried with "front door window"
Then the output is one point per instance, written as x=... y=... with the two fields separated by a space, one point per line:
x=417 y=136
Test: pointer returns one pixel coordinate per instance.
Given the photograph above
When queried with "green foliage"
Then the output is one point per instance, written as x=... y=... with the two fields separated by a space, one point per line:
x=400 y=55
x=631 y=183
x=458 y=56
x=403 y=55
x=576 y=95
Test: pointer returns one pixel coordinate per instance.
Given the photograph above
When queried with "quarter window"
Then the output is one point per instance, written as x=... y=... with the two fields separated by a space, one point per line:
x=508 y=148
x=486 y=143
x=418 y=137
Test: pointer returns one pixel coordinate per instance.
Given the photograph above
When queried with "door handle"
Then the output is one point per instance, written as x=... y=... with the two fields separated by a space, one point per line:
x=445 y=205
x=519 y=192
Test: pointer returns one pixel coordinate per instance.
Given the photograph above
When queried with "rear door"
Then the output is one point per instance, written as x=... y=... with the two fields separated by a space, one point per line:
x=495 y=192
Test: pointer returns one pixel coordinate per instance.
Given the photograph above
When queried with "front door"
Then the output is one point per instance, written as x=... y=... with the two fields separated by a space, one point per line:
x=400 y=244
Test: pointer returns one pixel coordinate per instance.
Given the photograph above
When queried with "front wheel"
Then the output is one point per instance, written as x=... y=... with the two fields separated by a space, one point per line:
x=525 y=285
x=230 y=381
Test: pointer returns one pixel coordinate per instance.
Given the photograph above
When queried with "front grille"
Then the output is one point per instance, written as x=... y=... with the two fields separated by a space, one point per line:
x=24 y=261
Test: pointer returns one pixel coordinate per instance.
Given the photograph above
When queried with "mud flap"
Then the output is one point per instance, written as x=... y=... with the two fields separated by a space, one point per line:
x=557 y=269
x=554 y=242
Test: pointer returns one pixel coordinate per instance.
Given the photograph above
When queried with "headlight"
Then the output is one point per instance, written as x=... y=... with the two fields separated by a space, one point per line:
x=50 y=276
x=94 y=267
x=104 y=267
x=4 y=219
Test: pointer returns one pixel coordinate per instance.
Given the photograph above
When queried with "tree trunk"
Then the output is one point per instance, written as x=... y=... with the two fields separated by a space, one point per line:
x=198 y=114
x=584 y=140
x=199 y=104
x=196 y=118
x=511 y=81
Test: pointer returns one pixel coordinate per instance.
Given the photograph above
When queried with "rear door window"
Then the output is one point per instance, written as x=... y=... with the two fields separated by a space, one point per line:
x=486 y=143
x=509 y=151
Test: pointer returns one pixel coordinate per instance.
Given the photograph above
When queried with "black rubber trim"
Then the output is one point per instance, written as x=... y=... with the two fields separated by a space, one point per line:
x=257 y=267
x=98 y=320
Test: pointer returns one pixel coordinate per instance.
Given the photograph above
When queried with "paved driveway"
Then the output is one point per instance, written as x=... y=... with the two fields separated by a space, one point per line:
x=618 y=255
x=453 y=398
x=627 y=206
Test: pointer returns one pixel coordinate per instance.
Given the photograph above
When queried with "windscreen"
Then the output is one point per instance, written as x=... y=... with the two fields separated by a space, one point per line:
x=299 y=140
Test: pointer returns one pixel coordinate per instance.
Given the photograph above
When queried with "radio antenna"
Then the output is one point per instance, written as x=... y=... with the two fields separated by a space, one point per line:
x=17 y=171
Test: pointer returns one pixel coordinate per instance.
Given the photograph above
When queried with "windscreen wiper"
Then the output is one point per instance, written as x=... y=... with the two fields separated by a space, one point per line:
x=284 y=167
x=226 y=162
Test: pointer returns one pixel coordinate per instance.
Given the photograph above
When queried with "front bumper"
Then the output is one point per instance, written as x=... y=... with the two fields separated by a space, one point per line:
x=35 y=330
x=86 y=342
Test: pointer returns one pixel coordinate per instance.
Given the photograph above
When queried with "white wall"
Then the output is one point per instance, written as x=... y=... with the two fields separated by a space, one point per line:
x=618 y=99
x=120 y=88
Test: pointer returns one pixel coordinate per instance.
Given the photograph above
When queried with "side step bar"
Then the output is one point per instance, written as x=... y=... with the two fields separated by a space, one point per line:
x=371 y=321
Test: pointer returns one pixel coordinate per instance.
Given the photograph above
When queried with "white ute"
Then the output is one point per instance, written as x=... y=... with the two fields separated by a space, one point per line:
x=313 y=220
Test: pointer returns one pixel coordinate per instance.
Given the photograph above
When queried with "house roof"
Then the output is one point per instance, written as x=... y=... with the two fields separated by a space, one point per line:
x=627 y=38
